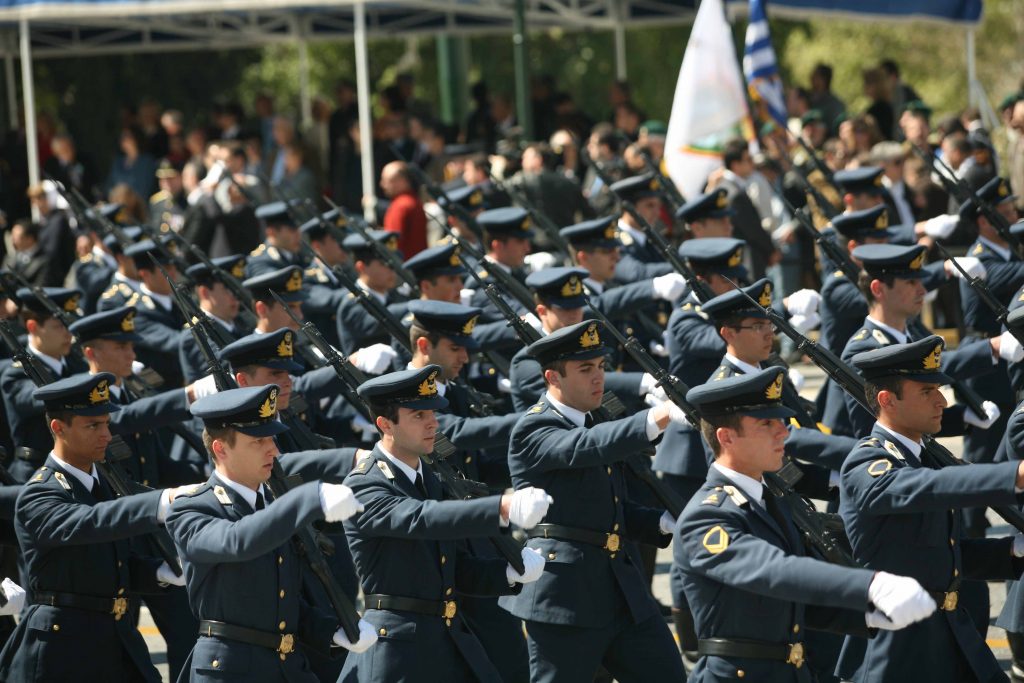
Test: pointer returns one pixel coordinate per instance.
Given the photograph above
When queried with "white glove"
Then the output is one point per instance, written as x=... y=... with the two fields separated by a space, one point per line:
x=533 y=567
x=941 y=227
x=338 y=502
x=534 y=322
x=931 y=296
x=900 y=598
x=164 y=575
x=528 y=506
x=991 y=415
x=361 y=424
x=137 y=367
x=367 y=637
x=647 y=384
x=540 y=260
x=1018 y=547
x=15 y=598
x=973 y=266
x=404 y=289
x=1010 y=349
x=802 y=323
x=374 y=359
x=667 y=523
x=876 y=619
x=675 y=413
x=797 y=378
x=657 y=349
x=466 y=296
x=505 y=385
x=204 y=386
x=803 y=302
x=669 y=286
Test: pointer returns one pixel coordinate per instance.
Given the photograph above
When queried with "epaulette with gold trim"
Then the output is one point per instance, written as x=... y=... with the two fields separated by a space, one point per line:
x=42 y=474
x=537 y=408
x=735 y=495
x=363 y=465
x=222 y=495
x=716 y=497
x=258 y=251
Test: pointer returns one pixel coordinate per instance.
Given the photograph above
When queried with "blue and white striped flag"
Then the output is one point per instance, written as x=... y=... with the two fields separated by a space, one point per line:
x=761 y=69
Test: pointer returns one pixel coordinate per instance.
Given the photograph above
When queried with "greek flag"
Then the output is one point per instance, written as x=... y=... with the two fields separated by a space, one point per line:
x=760 y=68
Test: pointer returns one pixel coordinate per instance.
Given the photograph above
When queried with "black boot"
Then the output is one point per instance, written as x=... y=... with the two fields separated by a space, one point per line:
x=687 y=636
x=1016 y=641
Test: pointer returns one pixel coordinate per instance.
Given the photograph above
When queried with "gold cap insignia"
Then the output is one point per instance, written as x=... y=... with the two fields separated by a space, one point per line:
x=882 y=222
x=715 y=540
x=1004 y=191
x=286 y=348
x=572 y=287
x=238 y=269
x=590 y=337
x=878 y=180
x=721 y=201
x=766 y=295
x=933 y=361
x=392 y=243
x=456 y=258
x=128 y=322
x=100 y=393
x=475 y=198
x=71 y=305
x=340 y=221
x=428 y=387
x=610 y=230
x=917 y=262
x=736 y=257
x=269 y=406
x=294 y=283
x=525 y=225
x=655 y=184
x=467 y=329
x=774 y=390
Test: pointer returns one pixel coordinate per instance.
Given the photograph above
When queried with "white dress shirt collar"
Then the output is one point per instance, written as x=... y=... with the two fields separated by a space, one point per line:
x=405 y=469
x=638 y=235
x=247 y=494
x=751 y=488
x=914 y=448
x=596 y=288
x=900 y=337
x=55 y=364
x=85 y=479
x=745 y=367
x=575 y=416
x=1003 y=252
x=163 y=299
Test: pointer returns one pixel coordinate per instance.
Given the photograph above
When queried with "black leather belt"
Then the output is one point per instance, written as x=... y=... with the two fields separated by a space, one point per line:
x=433 y=608
x=790 y=653
x=32 y=455
x=118 y=606
x=283 y=643
x=946 y=601
x=610 y=542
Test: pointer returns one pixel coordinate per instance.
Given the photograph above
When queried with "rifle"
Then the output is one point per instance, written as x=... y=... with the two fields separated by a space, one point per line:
x=815 y=528
x=853 y=383
x=308 y=541
x=963 y=193
x=455 y=484
x=51 y=307
x=666 y=187
x=828 y=246
x=539 y=219
x=40 y=376
x=985 y=294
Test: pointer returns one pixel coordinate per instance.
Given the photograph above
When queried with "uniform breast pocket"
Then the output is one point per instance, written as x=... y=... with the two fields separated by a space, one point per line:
x=215 y=658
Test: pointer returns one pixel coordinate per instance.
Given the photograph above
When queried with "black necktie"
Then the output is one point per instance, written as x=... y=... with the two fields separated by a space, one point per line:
x=259 y=501
x=64 y=371
x=588 y=420
x=771 y=504
x=97 y=490
x=420 y=486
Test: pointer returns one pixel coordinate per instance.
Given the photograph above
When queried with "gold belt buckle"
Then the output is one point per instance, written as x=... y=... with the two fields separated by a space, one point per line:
x=612 y=543
x=450 y=608
x=949 y=603
x=796 y=655
x=287 y=645
x=120 y=608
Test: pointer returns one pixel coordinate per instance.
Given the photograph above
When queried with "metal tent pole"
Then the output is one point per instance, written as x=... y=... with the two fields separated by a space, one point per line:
x=520 y=58
x=617 y=8
x=29 y=94
x=365 y=128
x=305 y=97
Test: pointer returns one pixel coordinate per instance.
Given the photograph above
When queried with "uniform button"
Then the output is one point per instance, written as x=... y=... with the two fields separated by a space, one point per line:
x=443 y=559
x=383 y=631
x=740 y=673
x=956 y=572
x=613 y=556
x=280 y=559
x=145 y=482
x=215 y=663
x=119 y=563
x=796 y=628
x=615 y=527
x=469 y=459
x=281 y=626
x=551 y=556
x=142 y=460
x=281 y=594
x=616 y=499
x=490 y=371
x=609 y=470
x=448 y=592
x=56 y=627
x=120 y=591
x=952 y=542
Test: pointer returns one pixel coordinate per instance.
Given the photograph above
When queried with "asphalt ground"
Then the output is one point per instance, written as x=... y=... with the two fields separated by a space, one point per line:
x=814 y=377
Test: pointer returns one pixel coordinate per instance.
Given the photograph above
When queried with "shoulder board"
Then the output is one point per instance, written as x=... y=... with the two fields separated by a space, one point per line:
x=222 y=495
x=894 y=450
x=189 y=491
x=978 y=249
x=363 y=465
x=351 y=295
x=386 y=469
x=839 y=273
x=112 y=290
x=147 y=301
x=688 y=306
x=258 y=250
x=716 y=497
x=880 y=337
x=133 y=300
x=59 y=476
x=160 y=196
x=862 y=335
x=273 y=253
x=625 y=237
x=538 y=408
x=735 y=495
x=722 y=373
x=87 y=258
x=42 y=474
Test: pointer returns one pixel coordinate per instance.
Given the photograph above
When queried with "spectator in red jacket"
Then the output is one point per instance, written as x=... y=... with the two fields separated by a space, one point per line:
x=405 y=214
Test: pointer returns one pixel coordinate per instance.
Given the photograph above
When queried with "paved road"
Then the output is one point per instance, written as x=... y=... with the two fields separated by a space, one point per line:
x=996 y=636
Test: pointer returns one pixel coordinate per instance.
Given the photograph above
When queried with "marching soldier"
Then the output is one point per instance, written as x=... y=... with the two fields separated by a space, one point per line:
x=707 y=215
x=507 y=235
x=220 y=304
x=324 y=291
x=280 y=248
x=592 y=606
x=50 y=343
x=82 y=574
x=640 y=261
x=355 y=326
x=407 y=544
x=244 y=576
x=746 y=573
x=902 y=516
x=168 y=206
